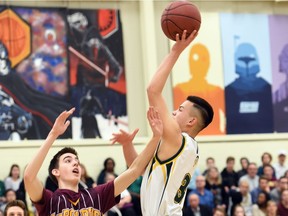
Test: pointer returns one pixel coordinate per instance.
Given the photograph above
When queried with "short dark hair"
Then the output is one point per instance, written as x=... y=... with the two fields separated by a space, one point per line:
x=54 y=163
x=204 y=107
x=230 y=158
x=18 y=203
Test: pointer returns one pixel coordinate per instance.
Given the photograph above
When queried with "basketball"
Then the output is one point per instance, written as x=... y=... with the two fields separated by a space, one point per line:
x=179 y=16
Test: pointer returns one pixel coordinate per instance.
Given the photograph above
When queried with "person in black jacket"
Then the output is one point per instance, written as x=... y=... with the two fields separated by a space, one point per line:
x=194 y=207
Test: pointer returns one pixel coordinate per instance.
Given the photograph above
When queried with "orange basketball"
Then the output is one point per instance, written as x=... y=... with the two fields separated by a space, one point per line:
x=179 y=16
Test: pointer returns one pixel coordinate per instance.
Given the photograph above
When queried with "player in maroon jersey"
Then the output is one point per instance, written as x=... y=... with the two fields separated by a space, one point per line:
x=65 y=169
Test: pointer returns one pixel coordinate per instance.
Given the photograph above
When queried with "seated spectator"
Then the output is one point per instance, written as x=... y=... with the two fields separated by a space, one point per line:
x=286 y=174
x=13 y=180
x=246 y=202
x=214 y=184
x=283 y=205
x=282 y=184
x=251 y=177
x=229 y=179
x=134 y=190
x=86 y=181
x=21 y=193
x=244 y=165
x=262 y=186
x=271 y=209
x=259 y=209
x=195 y=208
x=109 y=165
x=239 y=211
x=219 y=211
x=10 y=195
x=192 y=184
x=205 y=196
x=125 y=205
x=235 y=199
x=266 y=159
x=2 y=192
x=268 y=171
x=16 y=208
x=210 y=162
x=280 y=167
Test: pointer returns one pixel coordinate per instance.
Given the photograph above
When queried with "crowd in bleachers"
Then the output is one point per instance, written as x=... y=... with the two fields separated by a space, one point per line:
x=254 y=190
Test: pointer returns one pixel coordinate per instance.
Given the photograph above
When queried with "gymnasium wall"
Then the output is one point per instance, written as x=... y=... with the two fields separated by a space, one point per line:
x=144 y=47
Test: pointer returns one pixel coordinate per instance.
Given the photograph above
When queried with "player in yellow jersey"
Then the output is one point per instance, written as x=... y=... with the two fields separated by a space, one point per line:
x=169 y=172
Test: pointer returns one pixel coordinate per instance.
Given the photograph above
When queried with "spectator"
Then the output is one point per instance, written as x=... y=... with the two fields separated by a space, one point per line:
x=239 y=211
x=263 y=186
x=271 y=209
x=134 y=190
x=251 y=177
x=192 y=184
x=109 y=165
x=86 y=181
x=286 y=174
x=246 y=202
x=21 y=193
x=268 y=171
x=16 y=208
x=283 y=205
x=13 y=180
x=259 y=209
x=214 y=184
x=10 y=195
x=282 y=185
x=229 y=179
x=219 y=211
x=228 y=174
x=266 y=158
x=210 y=162
x=195 y=208
x=205 y=196
x=2 y=192
x=125 y=205
x=280 y=167
x=244 y=165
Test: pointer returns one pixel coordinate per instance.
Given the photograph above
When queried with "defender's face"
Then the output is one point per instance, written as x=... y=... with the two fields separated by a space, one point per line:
x=69 y=168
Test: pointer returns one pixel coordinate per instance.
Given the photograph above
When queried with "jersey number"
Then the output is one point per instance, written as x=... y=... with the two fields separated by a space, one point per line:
x=181 y=191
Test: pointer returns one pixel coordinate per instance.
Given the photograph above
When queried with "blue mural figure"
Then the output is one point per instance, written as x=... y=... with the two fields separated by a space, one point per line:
x=280 y=97
x=249 y=97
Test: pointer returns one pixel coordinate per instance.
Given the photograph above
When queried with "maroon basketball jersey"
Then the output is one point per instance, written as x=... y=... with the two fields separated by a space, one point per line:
x=93 y=201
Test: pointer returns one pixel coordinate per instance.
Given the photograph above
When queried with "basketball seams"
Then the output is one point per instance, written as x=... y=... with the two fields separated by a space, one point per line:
x=178 y=15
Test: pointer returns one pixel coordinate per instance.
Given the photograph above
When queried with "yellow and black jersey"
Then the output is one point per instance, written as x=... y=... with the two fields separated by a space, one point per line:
x=164 y=182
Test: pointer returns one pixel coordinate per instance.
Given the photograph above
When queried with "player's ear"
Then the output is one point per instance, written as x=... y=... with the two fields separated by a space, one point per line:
x=192 y=121
x=55 y=172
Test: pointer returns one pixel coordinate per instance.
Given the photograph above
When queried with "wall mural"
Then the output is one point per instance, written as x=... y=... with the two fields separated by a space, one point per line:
x=54 y=59
x=253 y=69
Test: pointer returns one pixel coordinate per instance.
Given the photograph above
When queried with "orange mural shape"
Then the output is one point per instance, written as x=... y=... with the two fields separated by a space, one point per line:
x=199 y=63
x=108 y=22
x=15 y=35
